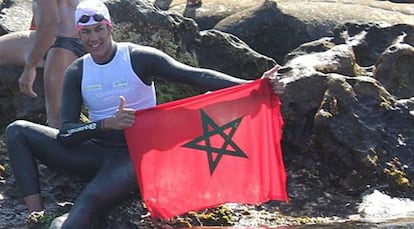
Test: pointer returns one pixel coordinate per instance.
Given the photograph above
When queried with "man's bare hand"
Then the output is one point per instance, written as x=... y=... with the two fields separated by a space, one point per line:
x=122 y=119
x=275 y=80
x=26 y=81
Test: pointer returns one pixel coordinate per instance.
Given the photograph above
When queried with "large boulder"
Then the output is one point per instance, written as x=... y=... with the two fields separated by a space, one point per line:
x=211 y=12
x=275 y=28
x=395 y=69
x=352 y=117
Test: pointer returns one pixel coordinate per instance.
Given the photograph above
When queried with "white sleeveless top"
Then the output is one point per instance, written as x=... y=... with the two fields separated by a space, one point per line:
x=103 y=84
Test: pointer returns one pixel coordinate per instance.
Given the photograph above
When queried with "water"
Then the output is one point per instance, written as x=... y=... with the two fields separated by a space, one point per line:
x=378 y=210
x=385 y=211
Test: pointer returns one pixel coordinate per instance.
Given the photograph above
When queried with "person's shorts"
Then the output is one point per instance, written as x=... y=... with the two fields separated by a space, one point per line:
x=70 y=43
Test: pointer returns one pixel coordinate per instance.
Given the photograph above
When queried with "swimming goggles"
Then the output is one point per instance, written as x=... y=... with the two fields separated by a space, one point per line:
x=85 y=18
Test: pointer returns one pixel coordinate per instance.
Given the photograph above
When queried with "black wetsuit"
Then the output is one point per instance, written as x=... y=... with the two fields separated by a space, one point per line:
x=84 y=149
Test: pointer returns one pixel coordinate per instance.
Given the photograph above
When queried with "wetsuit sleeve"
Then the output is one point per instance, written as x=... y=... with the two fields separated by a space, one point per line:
x=149 y=62
x=72 y=130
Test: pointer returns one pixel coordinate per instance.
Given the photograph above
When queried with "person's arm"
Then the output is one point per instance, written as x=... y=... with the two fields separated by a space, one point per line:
x=47 y=21
x=149 y=62
x=72 y=130
x=46 y=29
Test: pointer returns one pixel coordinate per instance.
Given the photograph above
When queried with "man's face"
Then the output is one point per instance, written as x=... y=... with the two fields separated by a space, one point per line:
x=97 y=40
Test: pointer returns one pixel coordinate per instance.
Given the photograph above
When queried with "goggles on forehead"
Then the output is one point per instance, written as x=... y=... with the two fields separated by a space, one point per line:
x=85 y=18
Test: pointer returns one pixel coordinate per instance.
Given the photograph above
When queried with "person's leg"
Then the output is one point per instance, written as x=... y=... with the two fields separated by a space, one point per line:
x=58 y=59
x=34 y=202
x=193 y=3
x=115 y=182
x=27 y=142
x=15 y=47
x=163 y=4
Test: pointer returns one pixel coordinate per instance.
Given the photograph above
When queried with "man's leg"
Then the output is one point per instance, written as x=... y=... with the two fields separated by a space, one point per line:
x=28 y=142
x=114 y=183
x=58 y=59
x=14 y=48
x=34 y=202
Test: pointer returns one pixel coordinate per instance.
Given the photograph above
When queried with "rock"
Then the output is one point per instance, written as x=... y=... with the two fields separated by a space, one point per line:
x=181 y=38
x=16 y=15
x=15 y=105
x=364 y=39
x=211 y=12
x=335 y=115
x=395 y=70
x=275 y=28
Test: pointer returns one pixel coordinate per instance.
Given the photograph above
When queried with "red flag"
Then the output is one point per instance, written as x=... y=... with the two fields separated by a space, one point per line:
x=211 y=149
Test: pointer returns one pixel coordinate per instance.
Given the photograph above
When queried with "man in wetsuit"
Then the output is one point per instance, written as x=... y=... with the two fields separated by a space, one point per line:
x=113 y=81
x=54 y=34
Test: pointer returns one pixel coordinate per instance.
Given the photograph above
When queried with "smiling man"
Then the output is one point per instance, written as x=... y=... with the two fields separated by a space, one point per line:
x=113 y=80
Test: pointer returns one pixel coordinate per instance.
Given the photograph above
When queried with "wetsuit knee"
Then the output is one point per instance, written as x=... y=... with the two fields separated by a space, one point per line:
x=91 y=199
x=14 y=129
x=85 y=208
x=20 y=160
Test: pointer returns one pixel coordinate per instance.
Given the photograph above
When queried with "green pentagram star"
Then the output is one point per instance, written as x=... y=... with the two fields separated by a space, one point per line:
x=228 y=147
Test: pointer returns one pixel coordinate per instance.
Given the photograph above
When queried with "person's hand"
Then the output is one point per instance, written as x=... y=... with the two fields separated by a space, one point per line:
x=123 y=118
x=272 y=74
x=26 y=81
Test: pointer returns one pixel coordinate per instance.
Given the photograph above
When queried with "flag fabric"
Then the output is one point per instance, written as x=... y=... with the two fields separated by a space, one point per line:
x=210 y=149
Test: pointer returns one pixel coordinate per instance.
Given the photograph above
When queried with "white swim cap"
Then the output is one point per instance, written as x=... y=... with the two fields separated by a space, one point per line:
x=90 y=12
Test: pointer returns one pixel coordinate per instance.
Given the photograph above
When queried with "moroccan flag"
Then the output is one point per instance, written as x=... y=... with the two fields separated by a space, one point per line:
x=210 y=149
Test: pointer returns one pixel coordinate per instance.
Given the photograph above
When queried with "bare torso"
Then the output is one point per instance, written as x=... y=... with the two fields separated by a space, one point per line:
x=66 y=11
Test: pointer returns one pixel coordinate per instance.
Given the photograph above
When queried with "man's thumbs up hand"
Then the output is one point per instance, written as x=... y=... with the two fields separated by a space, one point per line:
x=121 y=103
x=123 y=118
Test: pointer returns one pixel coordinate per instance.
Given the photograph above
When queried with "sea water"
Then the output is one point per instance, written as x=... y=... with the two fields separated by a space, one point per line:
x=386 y=211
x=376 y=210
